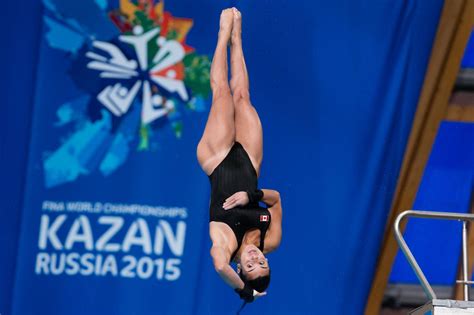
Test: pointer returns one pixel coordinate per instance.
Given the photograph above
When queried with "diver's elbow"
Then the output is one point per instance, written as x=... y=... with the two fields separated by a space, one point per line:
x=219 y=267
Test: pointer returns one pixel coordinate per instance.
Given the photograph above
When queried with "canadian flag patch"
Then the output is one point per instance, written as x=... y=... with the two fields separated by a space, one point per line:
x=264 y=218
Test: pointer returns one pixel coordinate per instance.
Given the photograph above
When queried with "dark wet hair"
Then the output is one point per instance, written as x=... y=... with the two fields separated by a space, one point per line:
x=259 y=284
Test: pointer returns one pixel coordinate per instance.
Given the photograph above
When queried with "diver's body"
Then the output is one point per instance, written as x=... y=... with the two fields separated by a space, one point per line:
x=230 y=153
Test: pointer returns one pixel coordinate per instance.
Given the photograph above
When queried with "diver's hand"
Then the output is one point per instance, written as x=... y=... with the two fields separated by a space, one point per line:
x=240 y=198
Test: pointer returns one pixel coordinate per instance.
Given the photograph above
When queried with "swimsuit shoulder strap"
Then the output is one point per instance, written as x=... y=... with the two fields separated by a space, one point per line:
x=263 y=231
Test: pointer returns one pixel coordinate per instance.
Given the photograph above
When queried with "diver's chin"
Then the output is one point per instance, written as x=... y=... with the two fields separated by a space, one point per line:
x=250 y=249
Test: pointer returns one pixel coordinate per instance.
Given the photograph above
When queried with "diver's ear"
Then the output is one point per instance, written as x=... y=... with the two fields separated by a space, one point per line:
x=239 y=268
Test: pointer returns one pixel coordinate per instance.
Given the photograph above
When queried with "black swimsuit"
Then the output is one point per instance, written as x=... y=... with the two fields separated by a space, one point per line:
x=236 y=173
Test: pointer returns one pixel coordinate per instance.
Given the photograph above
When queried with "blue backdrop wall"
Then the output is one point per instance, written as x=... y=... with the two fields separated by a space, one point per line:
x=104 y=207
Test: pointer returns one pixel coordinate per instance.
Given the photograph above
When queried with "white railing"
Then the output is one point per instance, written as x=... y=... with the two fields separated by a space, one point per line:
x=464 y=217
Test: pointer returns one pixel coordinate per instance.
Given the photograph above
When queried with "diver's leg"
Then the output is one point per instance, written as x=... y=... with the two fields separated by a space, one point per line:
x=219 y=133
x=247 y=123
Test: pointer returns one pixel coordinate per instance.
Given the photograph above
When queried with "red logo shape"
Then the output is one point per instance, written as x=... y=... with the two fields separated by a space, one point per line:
x=264 y=218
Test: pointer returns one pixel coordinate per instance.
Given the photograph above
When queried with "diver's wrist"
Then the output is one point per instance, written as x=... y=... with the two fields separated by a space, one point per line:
x=255 y=195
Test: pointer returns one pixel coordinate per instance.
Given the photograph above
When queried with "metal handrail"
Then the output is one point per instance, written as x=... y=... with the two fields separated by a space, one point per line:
x=411 y=259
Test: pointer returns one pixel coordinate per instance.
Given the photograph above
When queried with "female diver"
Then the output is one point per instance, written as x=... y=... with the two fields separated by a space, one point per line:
x=230 y=153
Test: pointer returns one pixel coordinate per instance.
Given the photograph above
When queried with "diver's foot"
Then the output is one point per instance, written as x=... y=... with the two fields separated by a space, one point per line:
x=225 y=24
x=237 y=26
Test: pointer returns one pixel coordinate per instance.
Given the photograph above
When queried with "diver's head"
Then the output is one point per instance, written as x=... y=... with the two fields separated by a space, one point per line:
x=253 y=268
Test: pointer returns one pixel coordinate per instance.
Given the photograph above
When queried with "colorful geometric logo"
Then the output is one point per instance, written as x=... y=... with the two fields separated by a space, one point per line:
x=137 y=76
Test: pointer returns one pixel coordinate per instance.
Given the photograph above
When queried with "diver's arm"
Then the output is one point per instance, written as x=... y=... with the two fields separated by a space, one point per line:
x=242 y=198
x=273 y=237
x=225 y=271
x=271 y=197
x=221 y=254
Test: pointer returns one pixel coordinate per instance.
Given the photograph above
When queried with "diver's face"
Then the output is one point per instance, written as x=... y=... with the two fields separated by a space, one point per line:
x=253 y=263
